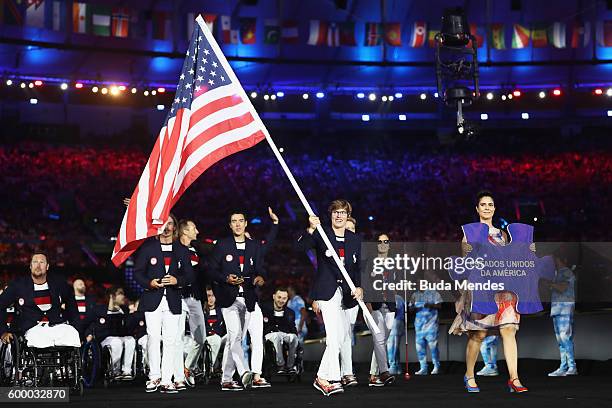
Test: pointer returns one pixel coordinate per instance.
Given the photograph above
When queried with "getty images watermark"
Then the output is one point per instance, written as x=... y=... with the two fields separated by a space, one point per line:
x=390 y=269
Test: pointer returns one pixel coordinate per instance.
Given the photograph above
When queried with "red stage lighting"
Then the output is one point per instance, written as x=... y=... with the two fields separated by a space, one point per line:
x=516 y=93
x=557 y=92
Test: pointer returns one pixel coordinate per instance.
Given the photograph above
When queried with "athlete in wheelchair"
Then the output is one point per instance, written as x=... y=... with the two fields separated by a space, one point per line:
x=111 y=333
x=282 y=352
x=44 y=344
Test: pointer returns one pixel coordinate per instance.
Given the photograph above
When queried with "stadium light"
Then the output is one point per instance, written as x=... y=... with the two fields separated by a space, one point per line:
x=38 y=82
x=490 y=95
x=360 y=95
x=266 y=97
x=273 y=97
x=280 y=94
x=9 y=82
x=365 y=118
x=320 y=95
x=253 y=95
x=398 y=95
x=524 y=115
x=516 y=93
x=557 y=92
x=384 y=98
x=94 y=89
x=484 y=116
x=402 y=117
x=78 y=85
x=423 y=96
x=372 y=96
x=33 y=101
x=305 y=96
x=542 y=95
x=609 y=92
x=598 y=91
x=134 y=90
x=160 y=107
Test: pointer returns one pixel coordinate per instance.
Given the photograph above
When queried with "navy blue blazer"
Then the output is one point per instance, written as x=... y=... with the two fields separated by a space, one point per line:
x=149 y=265
x=20 y=293
x=105 y=325
x=327 y=275
x=225 y=261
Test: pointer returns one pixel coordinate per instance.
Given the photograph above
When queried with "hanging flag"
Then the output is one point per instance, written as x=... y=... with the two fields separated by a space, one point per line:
x=419 y=34
x=35 y=13
x=318 y=32
x=138 y=24
x=272 y=31
x=581 y=34
x=208 y=18
x=290 y=32
x=476 y=33
x=100 y=20
x=539 y=35
x=161 y=25
x=228 y=35
x=211 y=117
x=120 y=26
x=393 y=34
x=79 y=18
x=604 y=33
x=431 y=38
x=347 y=34
x=373 y=34
x=248 y=25
x=58 y=16
x=556 y=35
x=520 y=36
x=333 y=35
x=497 y=37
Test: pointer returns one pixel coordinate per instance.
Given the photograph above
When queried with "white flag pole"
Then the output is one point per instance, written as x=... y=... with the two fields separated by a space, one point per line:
x=240 y=90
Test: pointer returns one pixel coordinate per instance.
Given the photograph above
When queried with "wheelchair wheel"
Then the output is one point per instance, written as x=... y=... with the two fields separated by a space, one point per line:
x=90 y=363
x=8 y=365
x=107 y=366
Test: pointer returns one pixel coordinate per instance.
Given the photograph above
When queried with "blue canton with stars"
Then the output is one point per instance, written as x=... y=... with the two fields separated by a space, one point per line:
x=201 y=72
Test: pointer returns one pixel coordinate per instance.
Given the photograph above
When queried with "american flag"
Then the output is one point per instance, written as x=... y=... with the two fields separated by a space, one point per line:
x=211 y=117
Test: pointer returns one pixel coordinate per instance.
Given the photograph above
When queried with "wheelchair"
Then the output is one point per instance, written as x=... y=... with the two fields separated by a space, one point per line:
x=97 y=362
x=269 y=362
x=24 y=366
x=206 y=370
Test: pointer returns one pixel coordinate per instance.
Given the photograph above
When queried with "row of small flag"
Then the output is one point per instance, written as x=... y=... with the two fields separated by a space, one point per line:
x=101 y=20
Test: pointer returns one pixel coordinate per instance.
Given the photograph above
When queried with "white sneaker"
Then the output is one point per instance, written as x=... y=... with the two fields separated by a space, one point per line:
x=572 y=371
x=488 y=372
x=559 y=372
x=422 y=371
x=152 y=385
x=435 y=371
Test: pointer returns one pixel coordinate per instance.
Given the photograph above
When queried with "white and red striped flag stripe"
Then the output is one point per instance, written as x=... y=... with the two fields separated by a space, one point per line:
x=211 y=118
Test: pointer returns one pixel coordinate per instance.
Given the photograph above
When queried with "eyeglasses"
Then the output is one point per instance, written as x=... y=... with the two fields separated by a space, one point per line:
x=383 y=241
x=341 y=212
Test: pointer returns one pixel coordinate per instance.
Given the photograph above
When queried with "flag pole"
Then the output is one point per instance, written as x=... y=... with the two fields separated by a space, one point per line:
x=230 y=72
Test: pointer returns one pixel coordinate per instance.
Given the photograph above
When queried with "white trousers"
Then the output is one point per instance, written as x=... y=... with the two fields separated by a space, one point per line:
x=346 y=349
x=42 y=335
x=255 y=329
x=197 y=327
x=384 y=321
x=162 y=325
x=235 y=318
x=142 y=342
x=280 y=338
x=121 y=345
x=215 y=342
x=335 y=322
x=179 y=360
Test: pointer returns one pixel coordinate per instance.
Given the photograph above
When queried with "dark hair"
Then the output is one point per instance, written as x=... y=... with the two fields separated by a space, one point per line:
x=112 y=291
x=40 y=252
x=238 y=211
x=281 y=289
x=340 y=204
x=483 y=193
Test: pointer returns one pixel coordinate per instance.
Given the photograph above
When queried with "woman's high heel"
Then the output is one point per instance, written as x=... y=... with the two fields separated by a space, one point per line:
x=515 y=388
x=468 y=387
